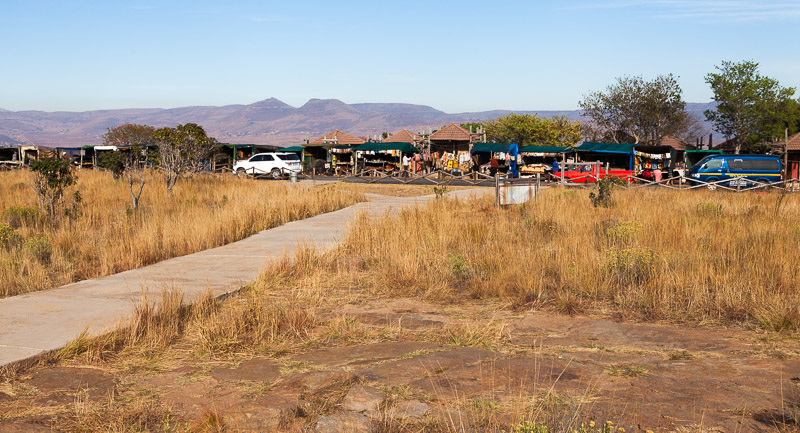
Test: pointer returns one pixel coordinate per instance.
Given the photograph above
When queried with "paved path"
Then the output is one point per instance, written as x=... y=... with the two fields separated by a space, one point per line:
x=39 y=322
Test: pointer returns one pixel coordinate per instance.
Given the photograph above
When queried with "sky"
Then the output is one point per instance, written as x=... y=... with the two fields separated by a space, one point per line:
x=457 y=56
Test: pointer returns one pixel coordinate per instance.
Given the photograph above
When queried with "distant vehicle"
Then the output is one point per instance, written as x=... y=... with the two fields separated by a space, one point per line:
x=741 y=170
x=586 y=173
x=276 y=164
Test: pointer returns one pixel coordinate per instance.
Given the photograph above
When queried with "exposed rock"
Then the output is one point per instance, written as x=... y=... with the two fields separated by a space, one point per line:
x=73 y=379
x=264 y=414
x=257 y=369
x=407 y=409
x=344 y=423
x=363 y=398
x=369 y=352
x=312 y=381
x=403 y=371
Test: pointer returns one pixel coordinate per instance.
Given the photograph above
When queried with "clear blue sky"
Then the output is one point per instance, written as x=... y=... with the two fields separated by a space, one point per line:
x=455 y=56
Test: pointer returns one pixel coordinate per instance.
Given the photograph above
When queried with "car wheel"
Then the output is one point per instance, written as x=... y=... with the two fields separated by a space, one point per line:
x=276 y=173
x=711 y=187
x=240 y=172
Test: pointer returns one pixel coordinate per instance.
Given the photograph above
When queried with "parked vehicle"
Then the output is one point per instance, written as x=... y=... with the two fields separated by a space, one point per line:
x=588 y=173
x=276 y=164
x=741 y=170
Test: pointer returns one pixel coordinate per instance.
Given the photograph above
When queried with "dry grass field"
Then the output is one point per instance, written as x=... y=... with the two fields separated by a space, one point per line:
x=104 y=236
x=550 y=317
x=700 y=257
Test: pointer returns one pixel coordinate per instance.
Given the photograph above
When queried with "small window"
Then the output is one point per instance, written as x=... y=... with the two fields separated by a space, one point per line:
x=737 y=165
x=257 y=158
x=267 y=158
x=289 y=157
x=714 y=163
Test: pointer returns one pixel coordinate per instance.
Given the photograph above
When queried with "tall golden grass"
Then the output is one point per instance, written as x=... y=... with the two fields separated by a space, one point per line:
x=697 y=256
x=105 y=236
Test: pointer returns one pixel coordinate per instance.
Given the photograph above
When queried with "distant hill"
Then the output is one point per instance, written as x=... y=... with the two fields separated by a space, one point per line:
x=270 y=121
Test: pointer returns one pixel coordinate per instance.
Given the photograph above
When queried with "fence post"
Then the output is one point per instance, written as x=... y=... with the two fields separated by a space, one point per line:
x=496 y=191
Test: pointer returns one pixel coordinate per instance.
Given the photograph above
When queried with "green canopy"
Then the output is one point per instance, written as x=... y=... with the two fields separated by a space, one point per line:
x=490 y=147
x=291 y=149
x=238 y=146
x=399 y=145
x=605 y=147
x=542 y=149
x=703 y=151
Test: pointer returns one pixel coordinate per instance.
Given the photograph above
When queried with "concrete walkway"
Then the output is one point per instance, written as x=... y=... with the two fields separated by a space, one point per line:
x=40 y=322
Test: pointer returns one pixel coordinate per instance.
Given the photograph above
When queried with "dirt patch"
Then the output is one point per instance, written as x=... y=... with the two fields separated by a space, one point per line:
x=654 y=376
x=23 y=427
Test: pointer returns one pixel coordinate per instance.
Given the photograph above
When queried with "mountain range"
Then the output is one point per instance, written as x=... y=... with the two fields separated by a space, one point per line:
x=270 y=121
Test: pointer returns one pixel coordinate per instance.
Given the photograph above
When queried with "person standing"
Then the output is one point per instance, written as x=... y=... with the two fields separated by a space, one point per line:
x=406 y=162
x=494 y=166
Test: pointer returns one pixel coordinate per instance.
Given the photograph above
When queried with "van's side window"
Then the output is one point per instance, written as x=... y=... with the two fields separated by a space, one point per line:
x=714 y=163
x=737 y=165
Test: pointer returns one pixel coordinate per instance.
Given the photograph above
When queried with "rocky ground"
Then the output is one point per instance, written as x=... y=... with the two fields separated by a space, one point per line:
x=426 y=367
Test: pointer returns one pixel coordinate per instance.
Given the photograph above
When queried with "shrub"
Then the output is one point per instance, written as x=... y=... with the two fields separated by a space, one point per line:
x=631 y=266
x=51 y=178
x=622 y=232
x=20 y=216
x=604 y=188
x=39 y=248
x=8 y=237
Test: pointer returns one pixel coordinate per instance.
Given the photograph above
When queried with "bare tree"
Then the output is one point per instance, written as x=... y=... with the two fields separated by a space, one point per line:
x=182 y=151
x=132 y=140
x=643 y=110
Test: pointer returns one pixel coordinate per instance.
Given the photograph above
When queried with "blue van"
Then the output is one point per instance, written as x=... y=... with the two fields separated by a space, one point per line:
x=742 y=170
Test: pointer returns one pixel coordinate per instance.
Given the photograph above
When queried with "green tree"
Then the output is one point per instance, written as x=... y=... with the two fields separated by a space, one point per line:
x=473 y=126
x=645 y=111
x=51 y=178
x=750 y=107
x=182 y=151
x=530 y=129
x=113 y=162
x=133 y=141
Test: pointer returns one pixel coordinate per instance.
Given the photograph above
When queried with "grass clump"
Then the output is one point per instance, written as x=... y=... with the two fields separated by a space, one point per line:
x=23 y=216
x=8 y=236
x=627 y=371
x=254 y=323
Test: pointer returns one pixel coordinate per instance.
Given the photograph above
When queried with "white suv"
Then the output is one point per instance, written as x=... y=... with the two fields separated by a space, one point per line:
x=275 y=164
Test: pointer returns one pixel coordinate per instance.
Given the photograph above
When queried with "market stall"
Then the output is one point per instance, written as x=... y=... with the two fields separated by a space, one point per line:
x=539 y=159
x=317 y=154
x=483 y=153
x=226 y=155
x=692 y=157
x=653 y=162
x=612 y=155
x=342 y=159
x=382 y=157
